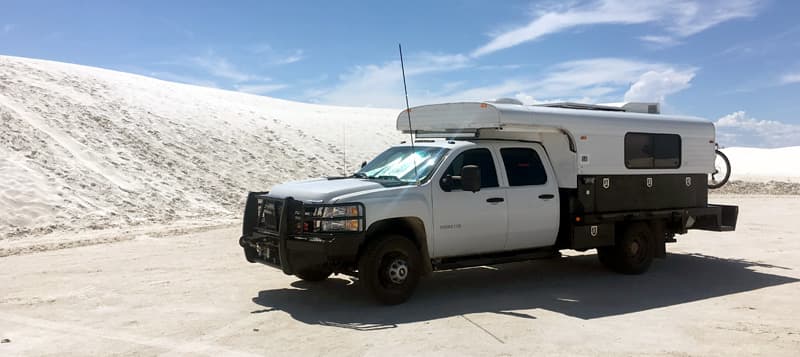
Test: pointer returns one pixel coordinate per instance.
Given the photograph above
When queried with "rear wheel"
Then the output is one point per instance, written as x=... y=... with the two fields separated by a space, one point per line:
x=314 y=274
x=633 y=251
x=390 y=268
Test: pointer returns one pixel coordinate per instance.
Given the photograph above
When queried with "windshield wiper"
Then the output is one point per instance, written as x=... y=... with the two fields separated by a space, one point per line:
x=386 y=177
x=380 y=177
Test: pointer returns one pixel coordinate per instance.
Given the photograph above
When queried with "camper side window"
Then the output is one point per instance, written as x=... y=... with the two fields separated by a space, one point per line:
x=652 y=151
x=523 y=167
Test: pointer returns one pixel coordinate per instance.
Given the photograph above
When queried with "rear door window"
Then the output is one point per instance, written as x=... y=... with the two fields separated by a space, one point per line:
x=523 y=167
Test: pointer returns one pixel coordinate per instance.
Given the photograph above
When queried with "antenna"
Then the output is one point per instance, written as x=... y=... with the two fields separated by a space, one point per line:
x=408 y=111
x=344 y=148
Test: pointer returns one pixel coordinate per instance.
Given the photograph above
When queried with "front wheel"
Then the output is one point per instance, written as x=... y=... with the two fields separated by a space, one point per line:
x=390 y=268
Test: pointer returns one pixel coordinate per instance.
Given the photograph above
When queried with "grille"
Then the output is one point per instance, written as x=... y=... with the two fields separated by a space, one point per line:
x=269 y=213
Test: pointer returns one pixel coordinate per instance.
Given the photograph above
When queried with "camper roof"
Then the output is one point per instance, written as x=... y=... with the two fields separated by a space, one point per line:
x=469 y=117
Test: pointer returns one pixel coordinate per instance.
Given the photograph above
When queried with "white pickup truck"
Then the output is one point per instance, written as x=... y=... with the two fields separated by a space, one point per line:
x=488 y=183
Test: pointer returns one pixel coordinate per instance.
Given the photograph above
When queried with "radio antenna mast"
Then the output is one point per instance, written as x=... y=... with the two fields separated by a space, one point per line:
x=344 y=148
x=408 y=112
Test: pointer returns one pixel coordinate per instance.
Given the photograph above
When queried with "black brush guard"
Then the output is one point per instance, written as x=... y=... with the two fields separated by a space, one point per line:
x=275 y=239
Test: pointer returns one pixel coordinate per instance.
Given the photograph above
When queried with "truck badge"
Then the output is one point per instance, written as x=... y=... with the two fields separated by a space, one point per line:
x=688 y=181
x=649 y=182
x=593 y=231
x=606 y=182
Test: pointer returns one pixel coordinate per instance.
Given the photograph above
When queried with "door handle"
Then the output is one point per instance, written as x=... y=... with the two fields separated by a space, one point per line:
x=495 y=199
x=546 y=196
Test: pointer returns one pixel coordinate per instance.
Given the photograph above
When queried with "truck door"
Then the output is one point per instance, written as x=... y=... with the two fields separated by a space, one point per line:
x=469 y=222
x=532 y=197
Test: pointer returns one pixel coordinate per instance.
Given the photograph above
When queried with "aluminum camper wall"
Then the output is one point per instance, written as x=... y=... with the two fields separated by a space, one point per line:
x=597 y=137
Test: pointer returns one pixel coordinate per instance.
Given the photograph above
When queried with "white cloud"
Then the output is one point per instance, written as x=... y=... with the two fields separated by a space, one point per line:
x=600 y=79
x=679 y=18
x=592 y=80
x=790 y=78
x=738 y=129
x=686 y=18
x=296 y=56
x=382 y=85
x=212 y=70
x=220 y=67
x=660 y=41
x=260 y=88
x=276 y=57
x=654 y=86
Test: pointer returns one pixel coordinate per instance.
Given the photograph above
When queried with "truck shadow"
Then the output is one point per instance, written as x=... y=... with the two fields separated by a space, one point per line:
x=577 y=286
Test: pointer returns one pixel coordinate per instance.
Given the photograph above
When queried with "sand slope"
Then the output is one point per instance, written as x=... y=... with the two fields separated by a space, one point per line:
x=88 y=148
x=83 y=147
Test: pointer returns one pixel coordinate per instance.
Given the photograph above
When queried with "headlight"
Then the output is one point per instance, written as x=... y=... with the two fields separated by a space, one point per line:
x=339 y=218
x=339 y=211
x=349 y=225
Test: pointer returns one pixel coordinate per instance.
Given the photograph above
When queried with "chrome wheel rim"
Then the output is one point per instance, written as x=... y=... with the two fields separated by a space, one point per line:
x=398 y=271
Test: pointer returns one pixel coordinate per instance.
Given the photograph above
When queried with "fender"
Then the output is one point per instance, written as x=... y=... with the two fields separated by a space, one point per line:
x=411 y=227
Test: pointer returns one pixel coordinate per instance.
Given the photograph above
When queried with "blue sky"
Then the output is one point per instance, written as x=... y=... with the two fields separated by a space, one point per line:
x=734 y=61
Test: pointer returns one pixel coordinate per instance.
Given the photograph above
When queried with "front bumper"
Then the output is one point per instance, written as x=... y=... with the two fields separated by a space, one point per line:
x=291 y=251
x=296 y=254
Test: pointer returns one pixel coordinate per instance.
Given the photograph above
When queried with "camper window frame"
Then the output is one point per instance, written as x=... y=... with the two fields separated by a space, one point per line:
x=653 y=150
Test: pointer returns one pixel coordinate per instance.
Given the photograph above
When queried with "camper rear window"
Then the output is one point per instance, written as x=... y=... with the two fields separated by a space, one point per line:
x=652 y=151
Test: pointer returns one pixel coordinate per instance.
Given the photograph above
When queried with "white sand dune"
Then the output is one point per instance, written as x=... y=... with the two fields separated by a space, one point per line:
x=83 y=147
x=762 y=165
x=88 y=148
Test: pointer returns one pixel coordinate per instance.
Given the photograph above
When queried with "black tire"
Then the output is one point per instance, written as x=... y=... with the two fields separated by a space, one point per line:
x=314 y=274
x=712 y=184
x=633 y=251
x=606 y=256
x=390 y=268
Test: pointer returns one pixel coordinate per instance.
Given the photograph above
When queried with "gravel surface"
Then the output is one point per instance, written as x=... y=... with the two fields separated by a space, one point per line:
x=759 y=188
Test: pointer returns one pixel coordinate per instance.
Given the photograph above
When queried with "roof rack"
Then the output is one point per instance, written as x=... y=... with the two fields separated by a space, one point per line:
x=573 y=105
x=634 y=107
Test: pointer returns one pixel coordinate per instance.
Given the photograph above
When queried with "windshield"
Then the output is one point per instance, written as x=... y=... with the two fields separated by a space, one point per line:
x=397 y=164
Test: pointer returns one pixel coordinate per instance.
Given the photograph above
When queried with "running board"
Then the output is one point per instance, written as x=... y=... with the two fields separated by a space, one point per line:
x=494 y=258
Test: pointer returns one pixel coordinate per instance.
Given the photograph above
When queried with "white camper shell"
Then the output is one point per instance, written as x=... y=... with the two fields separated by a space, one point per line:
x=579 y=139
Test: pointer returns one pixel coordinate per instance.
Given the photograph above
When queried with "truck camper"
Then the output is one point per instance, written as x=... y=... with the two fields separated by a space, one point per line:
x=493 y=182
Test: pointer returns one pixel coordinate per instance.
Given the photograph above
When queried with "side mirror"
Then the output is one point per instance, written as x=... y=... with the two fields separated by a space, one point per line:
x=471 y=178
x=363 y=163
x=446 y=183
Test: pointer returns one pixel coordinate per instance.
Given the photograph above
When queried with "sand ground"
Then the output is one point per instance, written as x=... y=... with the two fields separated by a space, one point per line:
x=192 y=293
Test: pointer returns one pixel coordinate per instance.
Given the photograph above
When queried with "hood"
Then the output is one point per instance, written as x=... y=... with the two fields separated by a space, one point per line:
x=322 y=190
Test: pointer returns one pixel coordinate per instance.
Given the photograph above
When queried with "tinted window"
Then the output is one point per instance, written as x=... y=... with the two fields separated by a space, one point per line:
x=652 y=151
x=480 y=157
x=667 y=154
x=523 y=167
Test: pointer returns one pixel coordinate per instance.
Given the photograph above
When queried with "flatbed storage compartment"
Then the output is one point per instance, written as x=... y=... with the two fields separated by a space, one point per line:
x=621 y=193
